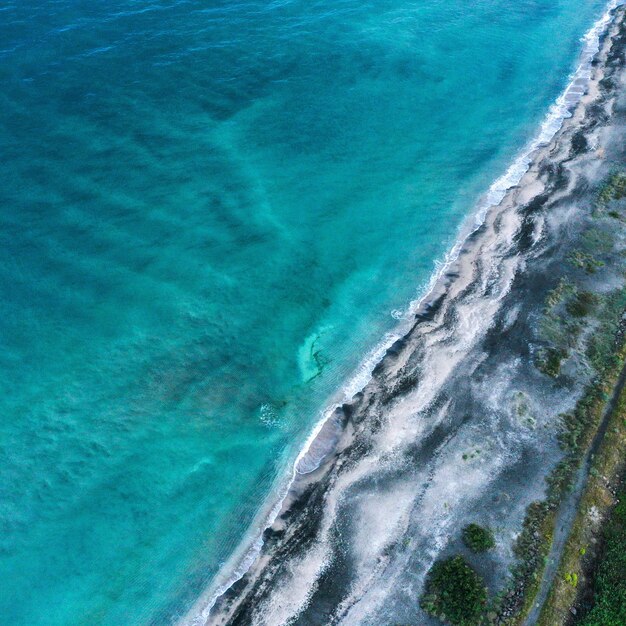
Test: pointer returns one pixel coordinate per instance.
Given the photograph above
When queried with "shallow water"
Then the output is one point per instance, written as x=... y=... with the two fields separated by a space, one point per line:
x=208 y=215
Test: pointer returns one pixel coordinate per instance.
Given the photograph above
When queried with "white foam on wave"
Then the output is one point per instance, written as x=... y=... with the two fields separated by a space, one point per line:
x=308 y=460
x=561 y=110
x=312 y=453
x=558 y=113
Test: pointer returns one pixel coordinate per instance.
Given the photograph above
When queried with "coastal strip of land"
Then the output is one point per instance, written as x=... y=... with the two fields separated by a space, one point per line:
x=484 y=413
x=568 y=591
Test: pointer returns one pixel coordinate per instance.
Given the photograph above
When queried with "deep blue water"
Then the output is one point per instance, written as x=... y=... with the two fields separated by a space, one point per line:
x=208 y=212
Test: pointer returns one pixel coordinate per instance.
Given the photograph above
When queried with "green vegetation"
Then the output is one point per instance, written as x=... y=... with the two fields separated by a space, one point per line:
x=579 y=142
x=613 y=189
x=581 y=304
x=454 y=593
x=605 y=351
x=531 y=549
x=471 y=455
x=477 y=538
x=558 y=294
x=591 y=327
x=597 y=241
x=549 y=361
x=594 y=242
x=610 y=583
x=561 y=325
x=585 y=261
x=597 y=500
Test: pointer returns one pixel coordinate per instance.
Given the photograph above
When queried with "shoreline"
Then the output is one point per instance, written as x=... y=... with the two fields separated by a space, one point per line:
x=339 y=430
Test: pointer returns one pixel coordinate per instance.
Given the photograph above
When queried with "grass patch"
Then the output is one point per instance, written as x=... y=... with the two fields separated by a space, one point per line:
x=454 y=593
x=597 y=241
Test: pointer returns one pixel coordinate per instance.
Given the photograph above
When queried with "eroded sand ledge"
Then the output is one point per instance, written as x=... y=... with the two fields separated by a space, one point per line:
x=435 y=439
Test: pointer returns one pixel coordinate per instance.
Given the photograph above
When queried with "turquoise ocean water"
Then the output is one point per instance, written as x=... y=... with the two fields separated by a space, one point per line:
x=208 y=213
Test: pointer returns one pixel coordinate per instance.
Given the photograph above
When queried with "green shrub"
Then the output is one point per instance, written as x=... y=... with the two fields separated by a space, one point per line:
x=581 y=304
x=477 y=538
x=454 y=593
x=579 y=142
x=585 y=261
x=558 y=294
x=549 y=361
x=613 y=189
